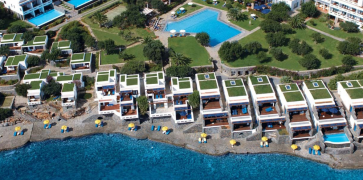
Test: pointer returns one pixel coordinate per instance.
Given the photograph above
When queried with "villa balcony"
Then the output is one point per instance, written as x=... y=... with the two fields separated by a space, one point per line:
x=298 y=118
x=161 y=111
x=301 y=134
x=273 y=126
x=239 y=111
x=267 y=109
x=33 y=101
x=10 y=71
x=85 y=66
x=109 y=108
x=68 y=102
x=242 y=127
x=25 y=8
x=211 y=104
x=180 y=100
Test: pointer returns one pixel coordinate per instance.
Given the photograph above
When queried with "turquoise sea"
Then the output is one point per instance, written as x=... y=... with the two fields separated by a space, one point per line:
x=120 y=157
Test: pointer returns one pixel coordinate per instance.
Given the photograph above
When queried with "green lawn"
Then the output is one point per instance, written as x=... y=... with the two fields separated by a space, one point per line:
x=189 y=9
x=338 y=33
x=6 y=101
x=184 y=85
x=355 y=93
x=218 y=6
x=246 y=23
x=320 y=93
x=293 y=96
x=208 y=84
x=236 y=91
x=9 y=22
x=137 y=51
x=189 y=47
x=263 y=89
x=115 y=11
x=291 y=62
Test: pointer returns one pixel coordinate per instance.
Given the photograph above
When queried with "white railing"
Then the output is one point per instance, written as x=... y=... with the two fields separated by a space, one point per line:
x=68 y=104
x=34 y=103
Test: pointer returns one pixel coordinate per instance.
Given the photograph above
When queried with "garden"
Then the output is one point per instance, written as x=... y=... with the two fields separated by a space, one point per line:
x=136 y=51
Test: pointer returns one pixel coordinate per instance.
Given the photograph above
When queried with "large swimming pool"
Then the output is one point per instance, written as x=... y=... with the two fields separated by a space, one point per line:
x=336 y=138
x=46 y=17
x=205 y=21
x=120 y=157
x=78 y=3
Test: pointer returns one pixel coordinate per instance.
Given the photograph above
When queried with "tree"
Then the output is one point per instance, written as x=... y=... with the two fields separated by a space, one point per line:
x=16 y=29
x=54 y=55
x=309 y=61
x=279 y=12
x=294 y=45
x=130 y=17
x=270 y=26
x=233 y=13
x=203 y=38
x=317 y=38
x=22 y=89
x=309 y=9
x=304 y=49
x=99 y=18
x=51 y=34
x=33 y=61
x=143 y=104
x=90 y=41
x=4 y=50
x=179 y=59
x=350 y=27
x=276 y=39
x=325 y=53
x=277 y=53
x=349 y=61
x=159 y=5
x=52 y=88
x=351 y=47
x=28 y=36
x=180 y=71
x=133 y=67
x=5 y=113
x=194 y=99
x=262 y=56
x=286 y=28
x=333 y=82
x=297 y=23
x=230 y=51
x=109 y=46
x=285 y=79
x=155 y=51
x=126 y=56
x=253 y=47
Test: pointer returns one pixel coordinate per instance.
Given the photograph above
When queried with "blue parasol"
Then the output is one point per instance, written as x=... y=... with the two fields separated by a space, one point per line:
x=265 y=11
x=258 y=7
x=325 y=110
x=333 y=110
x=269 y=4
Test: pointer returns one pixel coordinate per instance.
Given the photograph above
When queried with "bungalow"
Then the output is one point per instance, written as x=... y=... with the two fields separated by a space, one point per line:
x=81 y=61
x=295 y=108
x=63 y=46
x=181 y=88
x=34 y=94
x=105 y=87
x=210 y=101
x=160 y=103
x=36 y=46
x=327 y=115
x=129 y=91
x=266 y=106
x=69 y=94
x=238 y=106
x=352 y=93
x=11 y=65
x=14 y=41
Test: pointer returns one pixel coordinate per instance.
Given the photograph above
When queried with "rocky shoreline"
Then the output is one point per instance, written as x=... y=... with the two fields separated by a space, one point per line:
x=34 y=132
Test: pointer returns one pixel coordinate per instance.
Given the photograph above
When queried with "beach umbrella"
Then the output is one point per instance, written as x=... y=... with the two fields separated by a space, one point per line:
x=131 y=125
x=203 y=135
x=232 y=142
x=325 y=110
x=17 y=128
x=164 y=128
x=214 y=0
x=173 y=31
x=263 y=6
x=264 y=138
x=46 y=121
x=64 y=127
x=316 y=147
x=182 y=9
x=173 y=12
x=253 y=15
x=333 y=110
x=269 y=4
x=97 y=121
x=294 y=146
x=258 y=7
x=190 y=3
x=182 y=31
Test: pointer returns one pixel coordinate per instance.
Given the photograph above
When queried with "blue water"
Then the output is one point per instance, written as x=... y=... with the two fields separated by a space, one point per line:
x=120 y=157
x=205 y=21
x=336 y=138
x=46 y=17
x=78 y=3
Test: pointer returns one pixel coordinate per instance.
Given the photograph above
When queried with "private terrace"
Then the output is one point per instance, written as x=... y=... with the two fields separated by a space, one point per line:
x=36 y=46
x=11 y=65
x=69 y=94
x=34 y=94
x=81 y=61
x=154 y=83
x=105 y=84
x=181 y=88
x=14 y=41
x=129 y=87
x=208 y=88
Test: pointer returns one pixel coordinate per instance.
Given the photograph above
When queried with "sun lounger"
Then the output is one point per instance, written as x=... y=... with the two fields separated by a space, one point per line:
x=96 y=125
x=49 y=126
x=45 y=126
x=67 y=129
x=313 y=151
x=205 y=140
x=135 y=129
x=129 y=128
x=130 y=96
x=319 y=153
x=159 y=127
x=167 y=132
x=156 y=96
x=310 y=150
x=266 y=144
x=101 y=124
x=200 y=140
x=261 y=144
x=244 y=110
x=152 y=128
x=15 y=133
x=269 y=109
x=189 y=116
x=62 y=130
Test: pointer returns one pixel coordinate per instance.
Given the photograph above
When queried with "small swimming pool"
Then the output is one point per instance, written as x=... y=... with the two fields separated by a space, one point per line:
x=336 y=138
x=46 y=17
x=78 y=3
x=205 y=21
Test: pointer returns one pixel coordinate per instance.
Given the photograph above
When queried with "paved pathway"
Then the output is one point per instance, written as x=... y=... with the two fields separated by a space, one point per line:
x=89 y=29
x=326 y=34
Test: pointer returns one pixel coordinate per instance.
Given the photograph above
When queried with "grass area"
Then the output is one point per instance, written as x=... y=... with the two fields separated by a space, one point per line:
x=175 y=81
x=218 y=6
x=137 y=51
x=101 y=78
x=77 y=77
x=65 y=78
x=151 y=80
x=293 y=87
x=263 y=89
x=68 y=87
x=209 y=84
x=320 y=94
x=189 y=9
x=202 y=76
x=131 y=82
x=6 y=101
x=10 y=22
x=32 y=76
x=291 y=62
x=115 y=11
x=246 y=23
x=310 y=84
x=254 y=79
x=354 y=84
x=338 y=33
x=236 y=91
x=190 y=47
x=293 y=96
x=77 y=56
x=160 y=75
x=238 y=82
x=85 y=96
x=184 y=85
x=355 y=93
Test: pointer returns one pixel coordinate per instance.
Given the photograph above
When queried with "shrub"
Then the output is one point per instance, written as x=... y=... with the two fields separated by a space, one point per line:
x=286 y=28
x=133 y=67
x=312 y=22
x=349 y=27
x=309 y=61
x=253 y=47
x=230 y=51
x=276 y=39
x=317 y=38
x=228 y=6
x=180 y=71
x=294 y=45
x=33 y=61
x=349 y=61
x=270 y=26
x=277 y=54
x=5 y=113
x=22 y=89
x=333 y=82
x=285 y=79
x=203 y=38
x=143 y=104
x=16 y=29
x=194 y=99
x=309 y=9
x=325 y=53
x=349 y=47
x=304 y=49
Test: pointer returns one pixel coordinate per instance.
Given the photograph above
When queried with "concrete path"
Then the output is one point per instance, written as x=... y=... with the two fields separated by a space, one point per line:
x=326 y=34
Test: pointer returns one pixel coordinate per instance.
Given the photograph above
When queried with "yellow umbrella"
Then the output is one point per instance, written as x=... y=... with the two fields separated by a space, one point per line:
x=294 y=146
x=64 y=127
x=17 y=128
x=46 y=121
x=316 y=147
x=264 y=138
x=131 y=125
x=203 y=135
x=97 y=121
x=164 y=128
x=232 y=142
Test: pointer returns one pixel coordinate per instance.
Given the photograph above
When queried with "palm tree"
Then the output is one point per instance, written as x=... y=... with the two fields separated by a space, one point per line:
x=180 y=60
x=99 y=18
x=233 y=13
x=297 y=22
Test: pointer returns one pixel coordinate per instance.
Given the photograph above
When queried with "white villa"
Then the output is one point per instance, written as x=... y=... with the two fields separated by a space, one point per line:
x=14 y=41
x=129 y=91
x=265 y=104
x=36 y=46
x=81 y=62
x=295 y=108
x=105 y=87
x=238 y=105
x=64 y=46
x=181 y=88
x=11 y=65
x=35 y=94
x=69 y=94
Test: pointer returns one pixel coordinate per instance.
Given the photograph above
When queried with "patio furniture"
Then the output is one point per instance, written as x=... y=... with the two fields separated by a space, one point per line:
x=244 y=110
x=269 y=109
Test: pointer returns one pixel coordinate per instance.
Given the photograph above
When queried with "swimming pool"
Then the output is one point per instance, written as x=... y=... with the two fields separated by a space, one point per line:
x=78 y=3
x=205 y=21
x=336 y=138
x=46 y=17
